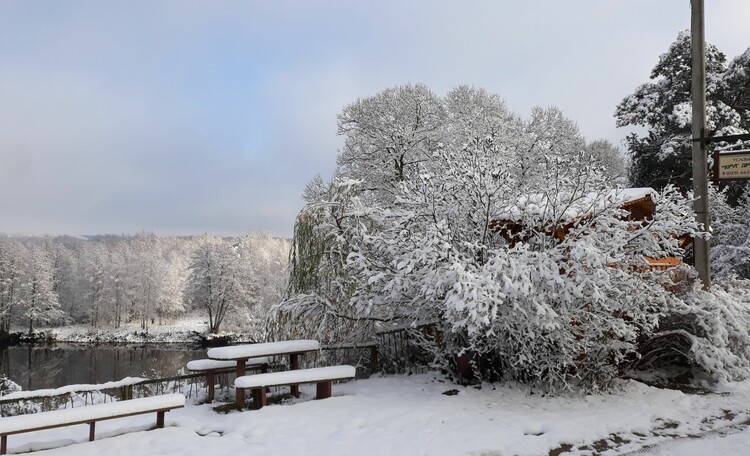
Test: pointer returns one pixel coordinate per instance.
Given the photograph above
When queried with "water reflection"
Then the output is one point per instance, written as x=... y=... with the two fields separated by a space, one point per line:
x=66 y=364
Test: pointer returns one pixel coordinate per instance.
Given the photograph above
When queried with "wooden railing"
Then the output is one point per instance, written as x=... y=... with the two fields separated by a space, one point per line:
x=363 y=356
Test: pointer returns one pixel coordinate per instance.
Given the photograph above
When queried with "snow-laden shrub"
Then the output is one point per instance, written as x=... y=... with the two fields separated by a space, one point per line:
x=730 y=245
x=705 y=336
x=8 y=386
x=561 y=315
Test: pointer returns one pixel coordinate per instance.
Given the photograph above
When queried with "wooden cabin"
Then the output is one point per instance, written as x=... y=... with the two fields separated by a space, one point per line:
x=638 y=203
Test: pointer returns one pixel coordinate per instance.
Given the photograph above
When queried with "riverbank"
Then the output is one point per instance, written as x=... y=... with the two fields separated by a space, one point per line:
x=179 y=332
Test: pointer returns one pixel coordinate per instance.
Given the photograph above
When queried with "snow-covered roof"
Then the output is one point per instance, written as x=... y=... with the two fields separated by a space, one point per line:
x=537 y=204
x=91 y=412
x=296 y=376
x=264 y=349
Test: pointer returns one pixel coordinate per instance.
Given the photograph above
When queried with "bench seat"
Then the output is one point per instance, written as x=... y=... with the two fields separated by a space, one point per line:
x=322 y=376
x=199 y=365
x=210 y=366
x=89 y=415
x=263 y=349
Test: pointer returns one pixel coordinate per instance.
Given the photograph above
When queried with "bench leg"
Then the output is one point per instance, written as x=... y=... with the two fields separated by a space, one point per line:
x=239 y=393
x=160 y=419
x=259 y=397
x=92 y=430
x=323 y=390
x=3 y=444
x=294 y=365
x=210 y=381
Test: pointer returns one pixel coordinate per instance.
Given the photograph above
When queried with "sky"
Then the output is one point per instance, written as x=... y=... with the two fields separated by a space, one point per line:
x=188 y=117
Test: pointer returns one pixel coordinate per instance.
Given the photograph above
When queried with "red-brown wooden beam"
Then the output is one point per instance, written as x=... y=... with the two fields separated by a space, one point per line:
x=294 y=365
x=239 y=398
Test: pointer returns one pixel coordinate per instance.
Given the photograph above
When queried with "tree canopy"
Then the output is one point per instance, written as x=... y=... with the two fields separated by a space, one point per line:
x=409 y=241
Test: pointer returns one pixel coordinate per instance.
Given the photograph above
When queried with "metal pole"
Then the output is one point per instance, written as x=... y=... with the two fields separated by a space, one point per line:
x=700 y=167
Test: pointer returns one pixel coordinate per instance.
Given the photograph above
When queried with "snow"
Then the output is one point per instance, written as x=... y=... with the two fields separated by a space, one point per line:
x=410 y=415
x=264 y=349
x=181 y=331
x=89 y=413
x=73 y=389
x=206 y=364
x=315 y=374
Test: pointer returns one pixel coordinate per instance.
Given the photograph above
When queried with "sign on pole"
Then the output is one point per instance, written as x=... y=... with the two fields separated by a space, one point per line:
x=731 y=166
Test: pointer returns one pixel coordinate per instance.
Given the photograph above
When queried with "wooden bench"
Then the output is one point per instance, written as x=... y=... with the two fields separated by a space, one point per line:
x=322 y=376
x=88 y=415
x=241 y=353
x=211 y=366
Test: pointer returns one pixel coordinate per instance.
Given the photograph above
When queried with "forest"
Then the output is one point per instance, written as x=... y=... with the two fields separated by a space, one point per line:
x=105 y=281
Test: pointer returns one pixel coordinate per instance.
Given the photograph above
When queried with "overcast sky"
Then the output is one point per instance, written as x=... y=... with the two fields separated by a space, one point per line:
x=183 y=117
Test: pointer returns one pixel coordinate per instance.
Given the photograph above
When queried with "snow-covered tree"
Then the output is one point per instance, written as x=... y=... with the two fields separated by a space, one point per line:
x=730 y=244
x=40 y=300
x=12 y=272
x=217 y=282
x=532 y=304
x=611 y=159
x=96 y=278
x=388 y=136
x=171 y=301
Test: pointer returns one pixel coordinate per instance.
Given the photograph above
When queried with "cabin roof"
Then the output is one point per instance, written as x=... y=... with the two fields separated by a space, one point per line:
x=537 y=204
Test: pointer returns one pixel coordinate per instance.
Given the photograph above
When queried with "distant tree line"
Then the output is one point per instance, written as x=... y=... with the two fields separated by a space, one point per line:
x=107 y=281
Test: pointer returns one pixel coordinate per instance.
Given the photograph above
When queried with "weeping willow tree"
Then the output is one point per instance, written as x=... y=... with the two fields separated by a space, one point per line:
x=320 y=282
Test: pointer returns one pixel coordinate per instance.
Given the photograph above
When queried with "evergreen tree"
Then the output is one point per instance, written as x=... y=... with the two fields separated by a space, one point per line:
x=663 y=107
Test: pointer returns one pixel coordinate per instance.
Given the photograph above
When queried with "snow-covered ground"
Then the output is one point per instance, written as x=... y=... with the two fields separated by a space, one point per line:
x=413 y=415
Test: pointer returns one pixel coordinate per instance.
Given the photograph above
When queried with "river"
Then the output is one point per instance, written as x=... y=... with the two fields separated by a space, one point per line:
x=36 y=367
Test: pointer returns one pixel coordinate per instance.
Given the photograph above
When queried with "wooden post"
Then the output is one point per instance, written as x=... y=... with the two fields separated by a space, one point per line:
x=702 y=247
x=373 y=359
x=323 y=390
x=92 y=430
x=210 y=383
x=160 y=419
x=260 y=394
x=294 y=365
x=3 y=444
x=239 y=397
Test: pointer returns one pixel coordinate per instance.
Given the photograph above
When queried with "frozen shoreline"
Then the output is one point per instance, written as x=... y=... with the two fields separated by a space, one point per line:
x=181 y=332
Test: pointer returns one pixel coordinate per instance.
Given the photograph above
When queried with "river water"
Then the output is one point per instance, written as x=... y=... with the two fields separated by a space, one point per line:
x=36 y=367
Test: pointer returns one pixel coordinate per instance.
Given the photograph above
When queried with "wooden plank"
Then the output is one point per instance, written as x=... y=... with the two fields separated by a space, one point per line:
x=210 y=381
x=294 y=365
x=323 y=390
x=239 y=393
x=74 y=423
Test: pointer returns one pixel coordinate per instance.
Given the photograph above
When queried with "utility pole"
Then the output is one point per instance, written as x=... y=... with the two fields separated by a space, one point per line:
x=700 y=168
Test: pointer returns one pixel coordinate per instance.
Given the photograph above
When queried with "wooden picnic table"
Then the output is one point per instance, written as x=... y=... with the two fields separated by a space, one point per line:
x=241 y=353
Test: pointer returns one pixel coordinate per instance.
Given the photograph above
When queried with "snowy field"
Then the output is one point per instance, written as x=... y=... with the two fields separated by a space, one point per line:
x=411 y=415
